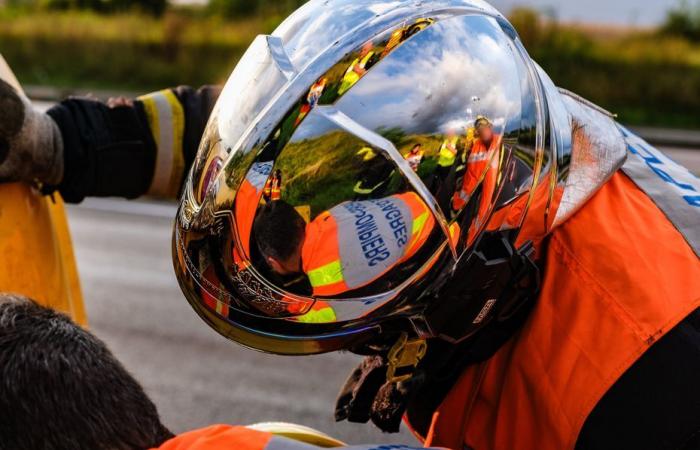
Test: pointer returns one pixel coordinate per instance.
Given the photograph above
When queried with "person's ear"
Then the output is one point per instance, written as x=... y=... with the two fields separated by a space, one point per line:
x=275 y=265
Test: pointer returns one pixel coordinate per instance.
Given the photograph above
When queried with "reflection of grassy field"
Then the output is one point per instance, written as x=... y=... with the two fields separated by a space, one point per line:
x=322 y=172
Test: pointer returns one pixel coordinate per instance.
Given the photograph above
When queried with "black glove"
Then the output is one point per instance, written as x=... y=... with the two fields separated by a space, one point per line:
x=31 y=147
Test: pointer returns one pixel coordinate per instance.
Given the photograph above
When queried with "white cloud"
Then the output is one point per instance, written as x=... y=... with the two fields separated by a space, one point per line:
x=427 y=85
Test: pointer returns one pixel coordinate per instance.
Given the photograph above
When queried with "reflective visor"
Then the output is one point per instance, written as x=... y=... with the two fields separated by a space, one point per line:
x=388 y=165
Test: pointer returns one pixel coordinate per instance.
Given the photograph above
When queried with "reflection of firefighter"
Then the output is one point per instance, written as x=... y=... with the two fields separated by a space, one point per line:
x=376 y=171
x=483 y=164
x=442 y=183
x=346 y=247
x=400 y=35
x=415 y=157
x=448 y=154
x=273 y=187
x=312 y=99
x=358 y=68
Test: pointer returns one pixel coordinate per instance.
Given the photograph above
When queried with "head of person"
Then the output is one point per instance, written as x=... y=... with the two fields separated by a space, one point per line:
x=366 y=48
x=484 y=129
x=279 y=234
x=61 y=388
x=406 y=93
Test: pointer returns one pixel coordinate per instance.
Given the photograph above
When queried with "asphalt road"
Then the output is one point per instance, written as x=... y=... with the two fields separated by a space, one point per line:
x=195 y=377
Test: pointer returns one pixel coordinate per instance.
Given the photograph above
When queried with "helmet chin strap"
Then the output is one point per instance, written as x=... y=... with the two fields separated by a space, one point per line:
x=486 y=302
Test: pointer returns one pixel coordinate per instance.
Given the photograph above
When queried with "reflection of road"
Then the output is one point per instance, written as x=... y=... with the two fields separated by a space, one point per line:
x=195 y=376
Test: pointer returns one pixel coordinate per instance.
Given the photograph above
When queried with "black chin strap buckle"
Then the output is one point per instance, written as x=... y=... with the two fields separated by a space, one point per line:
x=403 y=358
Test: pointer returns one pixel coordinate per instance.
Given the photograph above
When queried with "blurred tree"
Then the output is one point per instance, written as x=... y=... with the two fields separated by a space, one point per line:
x=684 y=21
x=153 y=7
x=238 y=8
x=529 y=24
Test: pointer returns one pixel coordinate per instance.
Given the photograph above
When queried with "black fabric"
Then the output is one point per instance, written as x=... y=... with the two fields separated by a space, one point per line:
x=107 y=151
x=655 y=405
x=111 y=151
x=367 y=394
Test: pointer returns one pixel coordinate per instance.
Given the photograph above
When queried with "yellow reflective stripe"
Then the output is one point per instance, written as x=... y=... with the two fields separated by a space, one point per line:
x=166 y=119
x=419 y=223
x=325 y=315
x=324 y=276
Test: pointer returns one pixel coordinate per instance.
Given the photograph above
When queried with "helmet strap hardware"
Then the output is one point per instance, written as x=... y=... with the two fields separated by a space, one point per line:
x=403 y=358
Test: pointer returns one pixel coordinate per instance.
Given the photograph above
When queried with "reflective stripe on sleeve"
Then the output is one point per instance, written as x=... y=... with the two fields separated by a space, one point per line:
x=166 y=118
x=671 y=186
x=329 y=274
x=419 y=223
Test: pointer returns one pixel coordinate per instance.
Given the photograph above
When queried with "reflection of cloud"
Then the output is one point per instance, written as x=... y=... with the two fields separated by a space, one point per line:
x=428 y=84
x=307 y=40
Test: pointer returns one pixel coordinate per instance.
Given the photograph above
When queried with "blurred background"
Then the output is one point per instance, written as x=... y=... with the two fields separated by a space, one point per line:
x=639 y=59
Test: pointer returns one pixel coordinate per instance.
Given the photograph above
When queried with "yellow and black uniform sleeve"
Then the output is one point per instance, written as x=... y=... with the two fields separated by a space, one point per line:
x=145 y=148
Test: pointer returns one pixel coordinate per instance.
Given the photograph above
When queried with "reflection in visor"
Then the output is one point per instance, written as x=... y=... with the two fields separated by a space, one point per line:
x=320 y=214
x=457 y=102
x=347 y=247
x=343 y=218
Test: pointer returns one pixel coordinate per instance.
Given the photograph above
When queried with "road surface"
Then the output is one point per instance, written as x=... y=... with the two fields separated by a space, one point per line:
x=195 y=377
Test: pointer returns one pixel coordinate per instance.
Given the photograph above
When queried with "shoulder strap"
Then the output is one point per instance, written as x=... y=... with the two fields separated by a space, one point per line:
x=674 y=189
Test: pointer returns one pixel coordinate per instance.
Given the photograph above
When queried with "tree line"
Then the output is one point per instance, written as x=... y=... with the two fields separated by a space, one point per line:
x=225 y=8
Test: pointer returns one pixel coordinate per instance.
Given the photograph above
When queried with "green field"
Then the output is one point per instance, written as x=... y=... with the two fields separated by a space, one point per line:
x=646 y=77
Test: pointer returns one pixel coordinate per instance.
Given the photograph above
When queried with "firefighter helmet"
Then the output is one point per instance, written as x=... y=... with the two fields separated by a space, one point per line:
x=325 y=267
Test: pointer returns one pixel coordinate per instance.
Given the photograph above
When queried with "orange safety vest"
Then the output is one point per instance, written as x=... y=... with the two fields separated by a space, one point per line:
x=480 y=164
x=355 y=243
x=219 y=437
x=610 y=290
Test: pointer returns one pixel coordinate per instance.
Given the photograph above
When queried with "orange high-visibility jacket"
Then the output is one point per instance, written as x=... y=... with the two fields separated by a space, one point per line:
x=619 y=275
x=355 y=243
x=225 y=437
x=481 y=164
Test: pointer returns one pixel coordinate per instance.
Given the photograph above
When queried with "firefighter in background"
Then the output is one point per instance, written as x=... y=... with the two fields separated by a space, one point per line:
x=415 y=157
x=375 y=174
x=442 y=181
x=312 y=99
x=344 y=248
x=273 y=187
x=358 y=68
x=482 y=162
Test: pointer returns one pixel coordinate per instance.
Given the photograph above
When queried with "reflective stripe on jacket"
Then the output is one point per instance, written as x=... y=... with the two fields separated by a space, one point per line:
x=355 y=243
x=619 y=275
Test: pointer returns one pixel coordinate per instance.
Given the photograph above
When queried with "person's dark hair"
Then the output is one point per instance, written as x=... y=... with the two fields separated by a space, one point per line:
x=279 y=230
x=61 y=388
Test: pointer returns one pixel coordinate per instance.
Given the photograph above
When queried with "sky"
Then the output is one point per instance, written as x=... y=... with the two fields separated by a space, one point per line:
x=619 y=12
